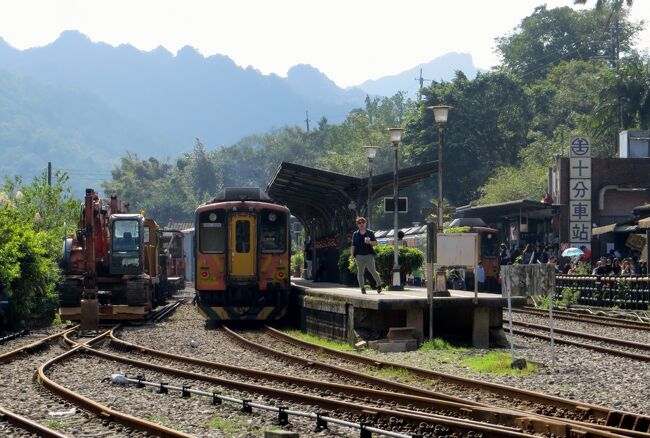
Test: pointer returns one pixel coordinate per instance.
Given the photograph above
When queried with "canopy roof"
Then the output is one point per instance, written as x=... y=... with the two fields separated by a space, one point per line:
x=329 y=200
x=532 y=209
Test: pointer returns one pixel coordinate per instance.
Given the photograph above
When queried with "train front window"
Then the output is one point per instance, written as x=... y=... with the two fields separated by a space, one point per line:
x=272 y=231
x=243 y=236
x=212 y=231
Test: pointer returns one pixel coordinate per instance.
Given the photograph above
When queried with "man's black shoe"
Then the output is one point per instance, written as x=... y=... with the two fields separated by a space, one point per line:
x=363 y=290
x=378 y=289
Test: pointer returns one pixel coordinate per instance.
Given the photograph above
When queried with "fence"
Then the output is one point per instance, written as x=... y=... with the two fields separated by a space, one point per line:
x=527 y=280
x=625 y=292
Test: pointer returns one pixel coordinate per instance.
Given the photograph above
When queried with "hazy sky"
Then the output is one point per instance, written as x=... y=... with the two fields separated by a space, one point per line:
x=348 y=40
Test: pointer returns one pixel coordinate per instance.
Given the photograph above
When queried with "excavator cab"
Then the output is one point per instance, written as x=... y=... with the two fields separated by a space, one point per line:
x=127 y=244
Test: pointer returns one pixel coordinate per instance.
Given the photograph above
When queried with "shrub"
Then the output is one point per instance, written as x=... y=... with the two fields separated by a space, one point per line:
x=410 y=259
x=297 y=262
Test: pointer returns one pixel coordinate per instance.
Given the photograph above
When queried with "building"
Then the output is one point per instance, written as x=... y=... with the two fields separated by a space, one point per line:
x=595 y=192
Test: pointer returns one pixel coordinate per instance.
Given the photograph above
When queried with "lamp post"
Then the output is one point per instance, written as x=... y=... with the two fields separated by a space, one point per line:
x=440 y=113
x=371 y=153
x=395 y=138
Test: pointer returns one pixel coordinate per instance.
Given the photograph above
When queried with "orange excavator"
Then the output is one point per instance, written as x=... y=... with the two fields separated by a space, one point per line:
x=111 y=264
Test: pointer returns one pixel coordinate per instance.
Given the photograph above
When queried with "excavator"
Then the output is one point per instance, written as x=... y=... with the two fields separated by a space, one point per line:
x=112 y=266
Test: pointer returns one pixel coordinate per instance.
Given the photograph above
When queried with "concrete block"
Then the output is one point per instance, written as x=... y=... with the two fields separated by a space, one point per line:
x=392 y=347
x=374 y=344
x=397 y=346
x=280 y=434
x=481 y=328
x=401 y=333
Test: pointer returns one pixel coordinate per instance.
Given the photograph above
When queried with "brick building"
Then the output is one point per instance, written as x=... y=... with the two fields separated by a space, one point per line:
x=617 y=186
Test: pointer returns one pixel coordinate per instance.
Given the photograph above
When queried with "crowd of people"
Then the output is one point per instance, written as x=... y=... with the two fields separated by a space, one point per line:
x=614 y=263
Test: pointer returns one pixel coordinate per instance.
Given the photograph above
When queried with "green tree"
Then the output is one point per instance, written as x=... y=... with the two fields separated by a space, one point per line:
x=487 y=127
x=32 y=218
x=624 y=101
x=551 y=36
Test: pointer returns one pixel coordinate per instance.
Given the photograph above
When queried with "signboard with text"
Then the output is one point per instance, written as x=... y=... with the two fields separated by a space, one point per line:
x=580 y=223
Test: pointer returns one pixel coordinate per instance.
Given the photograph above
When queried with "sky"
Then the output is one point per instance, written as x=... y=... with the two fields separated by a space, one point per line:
x=349 y=40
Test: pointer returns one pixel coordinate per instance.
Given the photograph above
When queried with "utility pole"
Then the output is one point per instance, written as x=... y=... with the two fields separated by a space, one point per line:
x=421 y=80
x=49 y=173
x=307 y=120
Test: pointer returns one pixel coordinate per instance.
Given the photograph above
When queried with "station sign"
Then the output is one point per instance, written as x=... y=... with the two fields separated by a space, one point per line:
x=580 y=223
x=402 y=205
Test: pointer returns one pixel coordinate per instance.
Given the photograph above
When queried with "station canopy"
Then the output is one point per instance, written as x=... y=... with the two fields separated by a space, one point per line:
x=330 y=201
x=505 y=210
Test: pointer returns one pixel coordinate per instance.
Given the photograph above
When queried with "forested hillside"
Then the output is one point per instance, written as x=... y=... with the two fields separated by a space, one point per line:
x=71 y=128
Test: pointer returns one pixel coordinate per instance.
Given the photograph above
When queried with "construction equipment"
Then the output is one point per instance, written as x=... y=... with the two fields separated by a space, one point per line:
x=111 y=265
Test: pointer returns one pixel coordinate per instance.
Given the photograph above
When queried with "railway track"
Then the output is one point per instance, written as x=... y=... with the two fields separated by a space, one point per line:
x=376 y=405
x=17 y=425
x=603 y=347
x=611 y=420
x=580 y=317
x=35 y=409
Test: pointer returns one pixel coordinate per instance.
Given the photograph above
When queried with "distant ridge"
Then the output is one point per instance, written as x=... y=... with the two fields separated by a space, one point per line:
x=84 y=104
x=439 y=69
x=182 y=96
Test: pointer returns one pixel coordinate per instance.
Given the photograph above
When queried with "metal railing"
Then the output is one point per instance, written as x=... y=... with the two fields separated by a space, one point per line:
x=624 y=292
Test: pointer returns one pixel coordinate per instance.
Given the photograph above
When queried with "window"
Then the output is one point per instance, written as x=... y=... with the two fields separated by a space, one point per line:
x=212 y=231
x=126 y=235
x=243 y=236
x=272 y=231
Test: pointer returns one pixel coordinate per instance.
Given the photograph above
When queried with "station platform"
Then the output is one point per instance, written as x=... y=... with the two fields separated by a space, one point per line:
x=343 y=313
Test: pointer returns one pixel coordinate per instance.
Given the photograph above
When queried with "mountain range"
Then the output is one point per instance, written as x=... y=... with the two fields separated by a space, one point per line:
x=87 y=102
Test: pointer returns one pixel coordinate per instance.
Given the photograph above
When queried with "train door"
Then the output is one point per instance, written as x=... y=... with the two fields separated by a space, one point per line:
x=242 y=245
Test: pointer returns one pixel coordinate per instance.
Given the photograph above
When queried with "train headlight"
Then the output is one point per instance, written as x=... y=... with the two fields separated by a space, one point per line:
x=212 y=217
x=272 y=217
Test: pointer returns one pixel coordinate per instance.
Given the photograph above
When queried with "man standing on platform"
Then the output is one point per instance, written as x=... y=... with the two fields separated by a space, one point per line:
x=362 y=242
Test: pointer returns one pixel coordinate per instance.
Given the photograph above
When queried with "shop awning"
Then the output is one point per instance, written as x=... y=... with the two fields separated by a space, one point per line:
x=489 y=212
x=613 y=228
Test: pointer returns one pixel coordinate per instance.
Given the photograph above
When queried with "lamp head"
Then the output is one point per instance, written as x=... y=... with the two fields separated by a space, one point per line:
x=371 y=151
x=440 y=113
x=395 y=134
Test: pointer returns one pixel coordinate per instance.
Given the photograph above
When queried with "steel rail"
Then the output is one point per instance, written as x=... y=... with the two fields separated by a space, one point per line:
x=619 y=342
x=93 y=406
x=591 y=319
x=371 y=380
x=472 y=410
x=599 y=348
x=162 y=313
x=456 y=424
x=5 y=357
x=29 y=425
x=628 y=422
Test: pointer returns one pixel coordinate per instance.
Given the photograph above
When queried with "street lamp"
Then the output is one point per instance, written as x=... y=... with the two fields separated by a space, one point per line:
x=395 y=138
x=371 y=153
x=440 y=113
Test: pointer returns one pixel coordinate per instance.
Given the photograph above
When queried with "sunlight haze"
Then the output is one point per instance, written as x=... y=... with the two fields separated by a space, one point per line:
x=348 y=41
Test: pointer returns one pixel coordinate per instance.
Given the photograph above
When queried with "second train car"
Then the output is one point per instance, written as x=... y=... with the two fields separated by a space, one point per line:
x=242 y=257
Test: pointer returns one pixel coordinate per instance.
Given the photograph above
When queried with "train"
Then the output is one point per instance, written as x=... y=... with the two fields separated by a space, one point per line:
x=242 y=255
x=173 y=247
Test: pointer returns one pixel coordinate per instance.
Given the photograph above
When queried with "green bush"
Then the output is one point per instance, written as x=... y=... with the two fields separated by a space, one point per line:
x=297 y=262
x=28 y=272
x=32 y=218
x=410 y=259
x=569 y=297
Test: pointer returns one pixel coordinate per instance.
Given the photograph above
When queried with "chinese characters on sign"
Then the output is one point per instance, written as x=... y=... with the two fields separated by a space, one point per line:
x=580 y=192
